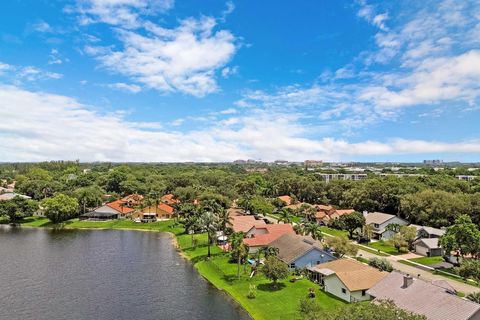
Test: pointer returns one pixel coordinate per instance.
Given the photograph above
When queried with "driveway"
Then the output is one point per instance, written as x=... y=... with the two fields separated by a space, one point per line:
x=420 y=273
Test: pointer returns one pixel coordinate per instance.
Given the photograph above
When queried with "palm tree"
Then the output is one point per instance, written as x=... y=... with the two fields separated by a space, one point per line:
x=285 y=216
x=239 y=249
x=269 y=251
x=191 y=224
x=367 y=232
x=314 y=230
x=299 y=228
x=209 y=223
x=223 y=220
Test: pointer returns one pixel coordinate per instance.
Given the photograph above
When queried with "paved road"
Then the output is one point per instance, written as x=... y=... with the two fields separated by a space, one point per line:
x=414 y=271
x=419 y=273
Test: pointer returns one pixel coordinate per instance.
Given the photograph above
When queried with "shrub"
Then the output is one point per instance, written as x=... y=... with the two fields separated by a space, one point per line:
x=252 y=291
x=380 y=264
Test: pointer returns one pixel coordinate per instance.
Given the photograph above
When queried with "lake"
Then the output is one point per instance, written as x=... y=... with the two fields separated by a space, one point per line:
x=102 y=274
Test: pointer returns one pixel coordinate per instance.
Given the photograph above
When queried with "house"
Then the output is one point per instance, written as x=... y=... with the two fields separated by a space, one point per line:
x=326 y=214
x=340 y=212
x=132 y=200
x=244 y=223
x=428 y=247
x=431 y=299
x=161 y=211
x=263 y=235
x=300 y=251
x=428 y=232
x=286 y=199
x=169 y=199
x=11 y=195
x=121 y=207
x=102 y=213
x=379 y=222
x=347 y=279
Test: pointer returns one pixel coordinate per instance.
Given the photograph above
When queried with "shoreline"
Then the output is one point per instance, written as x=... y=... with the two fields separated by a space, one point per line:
x=175 y=244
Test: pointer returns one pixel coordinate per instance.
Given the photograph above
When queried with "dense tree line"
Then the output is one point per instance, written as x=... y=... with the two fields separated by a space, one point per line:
x=436 y=199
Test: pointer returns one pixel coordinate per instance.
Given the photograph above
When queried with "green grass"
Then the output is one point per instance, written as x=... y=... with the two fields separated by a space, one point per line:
x=385 y=246
x=381 y=254
x=334 y=232
x=270 y=303
x=428 y=261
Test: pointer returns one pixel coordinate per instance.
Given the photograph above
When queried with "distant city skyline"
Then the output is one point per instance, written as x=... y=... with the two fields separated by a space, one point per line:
x=217 y=81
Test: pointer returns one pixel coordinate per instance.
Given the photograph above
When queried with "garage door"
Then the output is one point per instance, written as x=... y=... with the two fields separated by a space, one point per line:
x=421 y=250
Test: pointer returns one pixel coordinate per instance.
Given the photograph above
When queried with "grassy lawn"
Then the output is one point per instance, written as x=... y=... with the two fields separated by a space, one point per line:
x=428 y=261
x=279 y=302
x=385 y=246
x=270 y=303
x=334 y=232
x=373 y=251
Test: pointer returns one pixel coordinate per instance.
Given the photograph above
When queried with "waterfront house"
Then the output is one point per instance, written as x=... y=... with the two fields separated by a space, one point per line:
x=121 y=207
x=347 y=279
x=132 y=200
x=244 y=223
x=263 y=235
x=101 y=213
x=431 y=299
x=160 y=211
x=300 y=251
x=379 y=222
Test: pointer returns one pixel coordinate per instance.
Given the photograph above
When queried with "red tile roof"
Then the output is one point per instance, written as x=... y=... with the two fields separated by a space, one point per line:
x=344 y=211
x=286 y=199
x=120 y=206
x=166 y=208
x=274 y=231
x=169 y=199
x=244 y=223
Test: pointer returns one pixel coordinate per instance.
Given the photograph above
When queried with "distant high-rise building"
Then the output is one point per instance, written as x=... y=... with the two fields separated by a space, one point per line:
x=313 y=163
x=432 y=162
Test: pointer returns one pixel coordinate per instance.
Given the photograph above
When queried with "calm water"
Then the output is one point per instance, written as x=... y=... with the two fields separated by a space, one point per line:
x=110 y=274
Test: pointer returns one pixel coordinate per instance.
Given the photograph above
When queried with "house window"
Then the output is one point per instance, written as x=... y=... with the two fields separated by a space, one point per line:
x=344 y=291
x=318 y=261
x=376 y=225
x=364 y=292
x=292 y=265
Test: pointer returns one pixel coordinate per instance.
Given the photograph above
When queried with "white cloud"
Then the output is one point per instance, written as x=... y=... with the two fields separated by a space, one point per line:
x=42 y=27
x=368 y=12
x=31 y=73
x=228 y=111
x=54 y=57
x=183 y=59
x=132 y=88
x=229 y=8
x=44 y=126
x=229 y=71
x=125 y=13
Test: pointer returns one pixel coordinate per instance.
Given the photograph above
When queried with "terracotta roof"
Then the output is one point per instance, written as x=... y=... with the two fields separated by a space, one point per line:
x=133 y=197
x=166 y=208
x=273 y=231
x=424 y=298
x=286 y=199
x=353 y=274
x=244 y=223
x=344 y=211
x=120 y=206
x=323 y=207
x=169 y=199
x=291 y=246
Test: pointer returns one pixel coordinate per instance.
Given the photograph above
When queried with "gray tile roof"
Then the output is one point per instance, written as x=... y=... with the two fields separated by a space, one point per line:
x=430 y=243
x=424 y=298
x=292 y=246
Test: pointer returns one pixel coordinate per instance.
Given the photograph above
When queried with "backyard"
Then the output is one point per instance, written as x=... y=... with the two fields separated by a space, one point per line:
x=385 y=246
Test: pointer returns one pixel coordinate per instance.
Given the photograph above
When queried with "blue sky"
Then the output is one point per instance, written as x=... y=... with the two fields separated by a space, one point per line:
x=165 y=80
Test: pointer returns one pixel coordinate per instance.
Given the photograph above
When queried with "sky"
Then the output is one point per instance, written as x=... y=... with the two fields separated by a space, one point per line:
x=175 y=81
